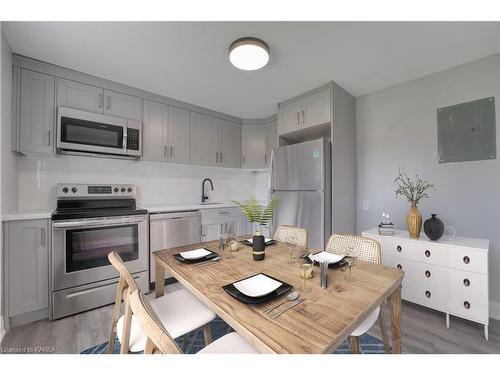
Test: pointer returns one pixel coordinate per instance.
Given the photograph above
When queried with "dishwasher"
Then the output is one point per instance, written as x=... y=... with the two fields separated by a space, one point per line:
x=171 y=230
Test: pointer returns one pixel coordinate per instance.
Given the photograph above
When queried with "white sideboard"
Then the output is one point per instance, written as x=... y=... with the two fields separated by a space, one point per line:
x=448 y=276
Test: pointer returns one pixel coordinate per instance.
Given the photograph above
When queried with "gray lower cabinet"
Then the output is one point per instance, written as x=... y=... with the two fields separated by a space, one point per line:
x=35 y=112
x=26 y=268
x=254 y=146
x=78 y=95
x=204 y=139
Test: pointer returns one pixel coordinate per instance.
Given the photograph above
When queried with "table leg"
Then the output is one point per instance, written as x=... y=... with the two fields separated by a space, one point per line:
x=395 y=300
x=159 y=279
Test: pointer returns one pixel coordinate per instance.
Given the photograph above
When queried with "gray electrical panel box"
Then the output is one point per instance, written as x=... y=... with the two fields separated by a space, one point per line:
x=467 y=131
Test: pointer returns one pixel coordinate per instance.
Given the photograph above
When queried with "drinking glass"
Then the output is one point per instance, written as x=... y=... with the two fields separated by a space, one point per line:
x=232 y=238
x=223 y=229
x=305 y=268
x=292 y=245
x=351 y=254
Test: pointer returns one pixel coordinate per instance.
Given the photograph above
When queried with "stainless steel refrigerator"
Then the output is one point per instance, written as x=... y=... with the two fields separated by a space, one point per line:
x=301 y=180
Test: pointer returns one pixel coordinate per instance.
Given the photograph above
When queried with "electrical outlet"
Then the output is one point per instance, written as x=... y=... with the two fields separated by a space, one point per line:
x=366 y=205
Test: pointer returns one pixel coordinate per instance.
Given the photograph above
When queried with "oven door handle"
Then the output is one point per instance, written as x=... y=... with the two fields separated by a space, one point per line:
x=99 y=222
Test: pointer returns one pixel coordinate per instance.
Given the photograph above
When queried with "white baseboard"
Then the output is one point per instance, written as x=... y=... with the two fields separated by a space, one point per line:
x=2 y=329
x=495 y=310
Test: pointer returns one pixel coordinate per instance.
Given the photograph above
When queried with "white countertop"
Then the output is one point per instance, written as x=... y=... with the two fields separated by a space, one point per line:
x=160 y=208
x=27 y=214
x=468 y=242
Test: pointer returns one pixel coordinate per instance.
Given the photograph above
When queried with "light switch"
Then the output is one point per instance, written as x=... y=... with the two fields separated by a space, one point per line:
x=366 y=205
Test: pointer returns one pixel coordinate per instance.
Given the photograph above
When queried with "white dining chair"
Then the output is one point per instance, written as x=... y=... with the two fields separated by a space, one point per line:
x=369 y=251
x=159 y=340
x=180 y=312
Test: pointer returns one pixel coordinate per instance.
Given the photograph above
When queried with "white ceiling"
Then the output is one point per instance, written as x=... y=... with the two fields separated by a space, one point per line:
x=188 y=60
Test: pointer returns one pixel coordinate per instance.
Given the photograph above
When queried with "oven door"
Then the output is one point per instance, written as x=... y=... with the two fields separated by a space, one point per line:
x=90 y=132
x=80 y=248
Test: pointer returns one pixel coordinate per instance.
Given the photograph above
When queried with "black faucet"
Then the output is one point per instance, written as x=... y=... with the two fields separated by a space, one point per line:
x=204 y=197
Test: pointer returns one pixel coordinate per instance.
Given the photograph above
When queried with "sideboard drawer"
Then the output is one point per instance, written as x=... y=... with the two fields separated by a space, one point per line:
x=468 y=293
x=468 y=260
x=427 y=285
x=420 y=251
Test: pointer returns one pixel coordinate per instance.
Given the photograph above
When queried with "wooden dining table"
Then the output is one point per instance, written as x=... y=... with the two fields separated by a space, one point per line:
x=317 y=325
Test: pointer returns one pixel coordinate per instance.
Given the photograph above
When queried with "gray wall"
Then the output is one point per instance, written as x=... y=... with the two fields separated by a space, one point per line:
x=396 y=128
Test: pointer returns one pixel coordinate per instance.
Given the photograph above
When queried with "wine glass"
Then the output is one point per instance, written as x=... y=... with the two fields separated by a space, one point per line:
x=351 y=254
x=232 y=238
x=305 y=268
x=292 y=244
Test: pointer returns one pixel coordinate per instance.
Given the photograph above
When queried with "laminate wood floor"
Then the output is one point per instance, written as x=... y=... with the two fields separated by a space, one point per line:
x=423 y=331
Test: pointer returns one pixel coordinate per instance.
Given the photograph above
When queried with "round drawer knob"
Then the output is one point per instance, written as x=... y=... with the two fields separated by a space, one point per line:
x=427 y=253
x=467 y=305
x=427 y=273
x=466 y=282
x=466 y=260
x=398 y=248
x=428 y=294
x=399 y=267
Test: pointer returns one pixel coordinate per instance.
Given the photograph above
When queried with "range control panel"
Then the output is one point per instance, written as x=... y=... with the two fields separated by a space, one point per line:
x=70 y=190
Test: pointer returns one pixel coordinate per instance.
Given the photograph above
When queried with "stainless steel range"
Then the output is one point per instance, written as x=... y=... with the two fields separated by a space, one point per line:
x=89 y=222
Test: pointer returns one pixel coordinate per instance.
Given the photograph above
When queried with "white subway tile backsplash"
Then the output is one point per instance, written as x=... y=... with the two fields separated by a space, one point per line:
x=158 y=183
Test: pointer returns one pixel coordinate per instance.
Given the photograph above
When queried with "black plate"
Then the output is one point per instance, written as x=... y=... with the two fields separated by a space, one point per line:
x=235 y=293
x=268 y=243
x=339 y=264
x=205 y=258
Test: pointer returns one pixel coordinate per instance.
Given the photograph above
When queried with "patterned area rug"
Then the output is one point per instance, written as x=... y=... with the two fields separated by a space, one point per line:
x=194 y=342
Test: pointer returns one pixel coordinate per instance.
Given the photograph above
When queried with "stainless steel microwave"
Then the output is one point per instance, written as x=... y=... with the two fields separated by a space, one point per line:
x=94 y=134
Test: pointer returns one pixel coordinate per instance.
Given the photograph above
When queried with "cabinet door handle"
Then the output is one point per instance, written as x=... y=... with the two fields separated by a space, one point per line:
x=171 y=151
x=265 y=159
x=48 y=137
x=243 y=159
x=428 y=294
x=298 y=118
x=427 y=253
x=164 y=151
x=108 y=98
x=221 y=157
x=467 y=305
x=427 y=273
x=42 y=236
x=101 y=101
x=217 y=157
x=466 y=260
x=399 y=248
x=466 y=282
x=303 y=117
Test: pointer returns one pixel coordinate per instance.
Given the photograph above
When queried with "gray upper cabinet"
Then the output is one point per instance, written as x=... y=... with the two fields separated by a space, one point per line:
x=35 y=113
x=27 y=266
x=271 y=140
x=204 y=139
x=308 y=110
x=96 y=99
x=230 y=144
x=254 y=146
x=179 y=135
x=122 y=105
x=79 y=96
x=154 y=131
x=289 y=118
x=316 y=108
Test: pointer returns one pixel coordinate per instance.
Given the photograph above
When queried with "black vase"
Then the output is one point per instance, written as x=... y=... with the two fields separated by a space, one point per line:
x=434 y=228
x=258 y=247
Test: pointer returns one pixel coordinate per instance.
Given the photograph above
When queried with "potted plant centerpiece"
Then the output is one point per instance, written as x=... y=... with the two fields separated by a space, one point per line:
x=256 y=213
x=413 y=190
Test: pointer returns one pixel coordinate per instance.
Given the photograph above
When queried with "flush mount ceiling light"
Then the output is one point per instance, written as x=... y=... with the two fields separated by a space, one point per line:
x=249 y=53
